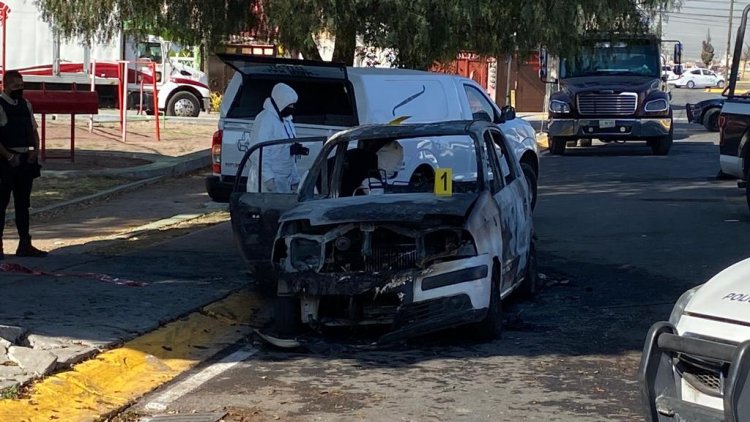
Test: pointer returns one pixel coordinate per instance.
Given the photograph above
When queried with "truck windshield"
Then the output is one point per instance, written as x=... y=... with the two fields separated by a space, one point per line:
x=600 y=58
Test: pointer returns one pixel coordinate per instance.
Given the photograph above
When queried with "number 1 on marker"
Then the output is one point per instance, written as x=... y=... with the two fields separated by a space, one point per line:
x=444 y=182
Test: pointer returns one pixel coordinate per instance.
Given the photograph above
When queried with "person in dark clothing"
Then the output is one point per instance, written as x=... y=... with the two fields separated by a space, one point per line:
x=19 y=148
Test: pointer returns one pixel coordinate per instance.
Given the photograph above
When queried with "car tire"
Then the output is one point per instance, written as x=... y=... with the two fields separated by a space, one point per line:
x=585 y=143
x=720 y=84
x=531 y=283
x=491 y=326
x=690 y=84
x=183 y=104
x=531 y=179
x=557 y=145
x=286 y=315
x=711 y=119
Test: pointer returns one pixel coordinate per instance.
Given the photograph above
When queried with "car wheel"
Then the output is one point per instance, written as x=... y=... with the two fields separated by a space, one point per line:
x=557 y=145
x=531 y=285
x=286 y=315
x=691 y=84
x=531 y=179
x=491 y=327
x=711 y=119
x=720 y=84
x=183 y=104
x=585 y=143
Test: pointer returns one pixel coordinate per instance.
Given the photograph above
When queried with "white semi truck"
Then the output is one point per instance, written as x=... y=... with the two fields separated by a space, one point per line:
x=43 y=57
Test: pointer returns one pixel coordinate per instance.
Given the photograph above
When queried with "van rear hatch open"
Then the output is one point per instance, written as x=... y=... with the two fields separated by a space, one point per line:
x=326 y=101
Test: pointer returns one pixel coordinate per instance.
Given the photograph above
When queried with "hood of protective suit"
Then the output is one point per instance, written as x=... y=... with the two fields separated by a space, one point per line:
x=282 y=95
x=390 y=158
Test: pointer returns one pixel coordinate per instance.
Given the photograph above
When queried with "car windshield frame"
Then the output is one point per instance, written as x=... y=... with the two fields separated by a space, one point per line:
x=338 y=145
x=629 y=49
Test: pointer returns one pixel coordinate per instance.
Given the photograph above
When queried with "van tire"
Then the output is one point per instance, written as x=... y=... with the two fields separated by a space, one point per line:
x=183 y=104
x=531 y=179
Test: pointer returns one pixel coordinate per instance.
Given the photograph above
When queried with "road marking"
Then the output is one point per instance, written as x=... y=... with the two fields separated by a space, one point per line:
x=114 y=379
x=163 y=400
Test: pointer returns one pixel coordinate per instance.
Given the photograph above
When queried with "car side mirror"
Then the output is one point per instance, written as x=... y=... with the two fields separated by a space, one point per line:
x=677 y=70
x=507 y=113
x=677 y=57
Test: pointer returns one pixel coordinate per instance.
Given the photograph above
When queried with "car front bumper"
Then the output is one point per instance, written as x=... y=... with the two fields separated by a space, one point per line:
x=614 y=128
x=661 y=384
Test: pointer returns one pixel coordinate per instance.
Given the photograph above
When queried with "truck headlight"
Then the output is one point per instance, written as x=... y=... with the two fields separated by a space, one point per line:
x=682 y=303
x=305 y=254
x=559 y=107
x=656 y=105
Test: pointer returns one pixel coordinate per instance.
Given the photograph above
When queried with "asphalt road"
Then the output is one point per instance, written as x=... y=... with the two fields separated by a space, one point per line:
x=621 y=234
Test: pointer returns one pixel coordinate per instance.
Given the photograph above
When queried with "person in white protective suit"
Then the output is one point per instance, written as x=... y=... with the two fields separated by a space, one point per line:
x=279 y=167
x=390 y=161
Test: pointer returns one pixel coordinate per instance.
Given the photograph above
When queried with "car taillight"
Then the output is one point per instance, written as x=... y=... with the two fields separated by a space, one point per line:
x=216 y=151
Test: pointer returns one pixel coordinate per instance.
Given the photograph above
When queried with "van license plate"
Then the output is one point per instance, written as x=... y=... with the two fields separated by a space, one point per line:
x=606 y=124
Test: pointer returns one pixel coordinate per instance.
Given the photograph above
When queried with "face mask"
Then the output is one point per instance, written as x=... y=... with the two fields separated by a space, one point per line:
x=16 y=94
x=287 y=111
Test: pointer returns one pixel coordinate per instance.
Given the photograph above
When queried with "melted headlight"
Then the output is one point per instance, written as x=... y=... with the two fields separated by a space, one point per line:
x=449 y=244
x=305 y=254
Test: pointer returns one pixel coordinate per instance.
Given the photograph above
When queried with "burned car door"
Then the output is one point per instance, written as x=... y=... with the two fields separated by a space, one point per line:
x=513 y=199
x=254 y=210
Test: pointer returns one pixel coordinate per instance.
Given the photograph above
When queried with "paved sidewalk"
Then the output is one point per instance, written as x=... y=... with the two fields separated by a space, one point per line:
x=87 y=304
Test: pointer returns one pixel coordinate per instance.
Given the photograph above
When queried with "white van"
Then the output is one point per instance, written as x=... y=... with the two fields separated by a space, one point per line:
x=333 y=97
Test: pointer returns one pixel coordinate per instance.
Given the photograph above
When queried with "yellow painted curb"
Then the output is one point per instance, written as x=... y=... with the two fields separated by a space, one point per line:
x=105 y=384
x=542 y=141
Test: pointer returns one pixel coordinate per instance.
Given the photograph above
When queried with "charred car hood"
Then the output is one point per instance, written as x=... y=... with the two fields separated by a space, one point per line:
x=725 y=296
x=410 y=208
x=610 y=83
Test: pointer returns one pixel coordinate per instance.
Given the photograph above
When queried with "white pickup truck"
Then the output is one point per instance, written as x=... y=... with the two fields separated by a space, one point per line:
x=333 y=97
x=696 y=366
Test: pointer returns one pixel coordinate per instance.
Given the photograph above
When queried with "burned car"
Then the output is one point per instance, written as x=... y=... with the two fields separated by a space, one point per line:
x=419 y=227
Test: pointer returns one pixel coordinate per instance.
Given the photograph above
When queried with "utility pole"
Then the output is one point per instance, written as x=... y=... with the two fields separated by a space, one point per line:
x=729 y=34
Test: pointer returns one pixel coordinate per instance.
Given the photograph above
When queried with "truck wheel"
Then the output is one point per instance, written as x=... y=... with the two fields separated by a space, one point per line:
x=661 y=146
x=286 y=315
x=183 y=104
x=585 y=143
x=711 y=119
x=557 y=145
x=531 y=179
x=691 y=84
x=491 y=327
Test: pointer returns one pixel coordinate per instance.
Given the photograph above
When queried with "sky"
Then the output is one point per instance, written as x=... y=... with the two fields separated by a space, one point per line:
x=691 y=22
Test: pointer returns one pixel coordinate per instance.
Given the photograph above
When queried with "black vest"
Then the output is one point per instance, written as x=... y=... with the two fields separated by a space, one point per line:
x=18 y=132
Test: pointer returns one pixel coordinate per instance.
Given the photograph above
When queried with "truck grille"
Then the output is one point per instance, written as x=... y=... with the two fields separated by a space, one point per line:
x=623 y=104
x=705 y=377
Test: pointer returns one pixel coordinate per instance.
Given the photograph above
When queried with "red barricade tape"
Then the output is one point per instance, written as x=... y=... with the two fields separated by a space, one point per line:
x=20 y=269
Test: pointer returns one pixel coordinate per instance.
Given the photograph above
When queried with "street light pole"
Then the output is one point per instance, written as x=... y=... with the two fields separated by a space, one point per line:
x=729 y=34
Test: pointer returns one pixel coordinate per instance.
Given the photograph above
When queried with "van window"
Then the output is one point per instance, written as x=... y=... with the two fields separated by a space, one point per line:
x=320 y=102
x=481 y=108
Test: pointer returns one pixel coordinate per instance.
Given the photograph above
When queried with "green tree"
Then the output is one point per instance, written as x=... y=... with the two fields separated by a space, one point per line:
x=186 y=21
x=707 y=52
x=425 y=31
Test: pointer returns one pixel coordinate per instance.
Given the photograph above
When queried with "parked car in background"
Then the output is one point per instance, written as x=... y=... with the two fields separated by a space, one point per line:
x=695 y=366
x=374 y=241
x=699 y=78
x=705 y=113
